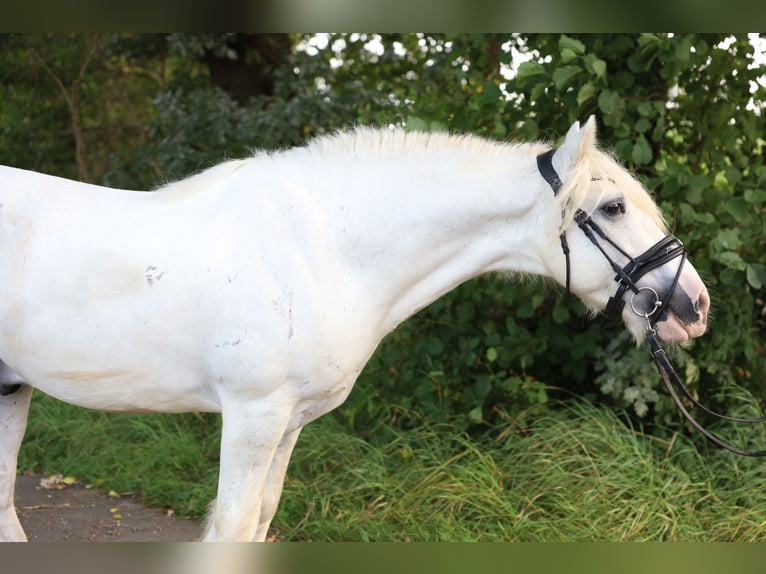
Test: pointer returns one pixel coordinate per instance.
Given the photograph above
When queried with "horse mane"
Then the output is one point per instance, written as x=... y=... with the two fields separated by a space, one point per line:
x=594 y=164
x=384 y=142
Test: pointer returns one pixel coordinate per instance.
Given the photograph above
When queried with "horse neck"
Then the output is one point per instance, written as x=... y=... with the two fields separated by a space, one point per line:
x=430 y=221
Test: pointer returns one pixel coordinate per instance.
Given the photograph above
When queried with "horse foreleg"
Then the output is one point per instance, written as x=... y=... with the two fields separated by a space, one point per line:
x=274 y=483
x=250 y=437
x=14 y=409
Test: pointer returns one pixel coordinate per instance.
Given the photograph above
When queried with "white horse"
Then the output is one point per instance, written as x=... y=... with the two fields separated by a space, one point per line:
x=260 y=287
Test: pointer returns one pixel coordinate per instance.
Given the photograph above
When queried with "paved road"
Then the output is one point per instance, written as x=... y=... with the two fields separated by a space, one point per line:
x=78 y=514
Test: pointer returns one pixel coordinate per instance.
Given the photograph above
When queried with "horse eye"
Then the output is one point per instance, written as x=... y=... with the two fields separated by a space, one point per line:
x=614 y=208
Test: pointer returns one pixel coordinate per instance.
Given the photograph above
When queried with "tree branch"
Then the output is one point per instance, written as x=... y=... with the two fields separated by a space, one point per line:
x=72 y=99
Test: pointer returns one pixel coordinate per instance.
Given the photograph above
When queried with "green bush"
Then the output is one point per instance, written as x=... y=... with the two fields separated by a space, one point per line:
x=684 y=112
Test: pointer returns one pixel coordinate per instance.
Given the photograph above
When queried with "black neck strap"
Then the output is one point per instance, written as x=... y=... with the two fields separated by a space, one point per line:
x=546 y=169
x=545 y=165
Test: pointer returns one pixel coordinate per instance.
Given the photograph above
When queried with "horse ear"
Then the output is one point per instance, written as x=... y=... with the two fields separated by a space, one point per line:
x=576 y=142
x=589 y=135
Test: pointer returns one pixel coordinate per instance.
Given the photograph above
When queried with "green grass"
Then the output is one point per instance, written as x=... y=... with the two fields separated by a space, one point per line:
x=576 y=473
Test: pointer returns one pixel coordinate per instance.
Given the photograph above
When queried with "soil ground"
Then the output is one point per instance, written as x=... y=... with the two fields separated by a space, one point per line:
x=64 y=512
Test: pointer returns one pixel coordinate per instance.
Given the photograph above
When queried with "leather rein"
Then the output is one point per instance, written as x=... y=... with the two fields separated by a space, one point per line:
x=662 y=252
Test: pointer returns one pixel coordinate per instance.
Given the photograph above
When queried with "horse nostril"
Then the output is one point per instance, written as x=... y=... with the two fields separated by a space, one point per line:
x=702 y=305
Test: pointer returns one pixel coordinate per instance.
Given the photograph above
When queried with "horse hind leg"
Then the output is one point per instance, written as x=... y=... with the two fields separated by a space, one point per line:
x=14 y=409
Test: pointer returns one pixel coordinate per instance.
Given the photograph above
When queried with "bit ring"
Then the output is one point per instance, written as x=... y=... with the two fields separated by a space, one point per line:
x=656 y=305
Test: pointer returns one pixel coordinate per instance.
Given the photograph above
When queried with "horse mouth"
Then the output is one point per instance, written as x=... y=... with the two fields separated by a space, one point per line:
x=674 y=330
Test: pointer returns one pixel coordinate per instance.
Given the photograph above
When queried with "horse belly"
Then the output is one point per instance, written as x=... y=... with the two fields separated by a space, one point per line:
x=131 y=389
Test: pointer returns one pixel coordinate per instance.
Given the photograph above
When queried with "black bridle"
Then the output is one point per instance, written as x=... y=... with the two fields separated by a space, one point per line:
x=662 y=252
x=627 y=276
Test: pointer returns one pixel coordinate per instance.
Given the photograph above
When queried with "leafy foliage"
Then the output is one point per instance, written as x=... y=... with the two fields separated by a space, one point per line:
x=683 y=111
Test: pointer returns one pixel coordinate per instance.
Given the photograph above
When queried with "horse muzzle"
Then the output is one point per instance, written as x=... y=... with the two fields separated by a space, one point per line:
x=686 y=315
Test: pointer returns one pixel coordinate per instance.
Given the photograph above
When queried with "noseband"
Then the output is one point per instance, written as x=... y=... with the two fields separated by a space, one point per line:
x=662 y=252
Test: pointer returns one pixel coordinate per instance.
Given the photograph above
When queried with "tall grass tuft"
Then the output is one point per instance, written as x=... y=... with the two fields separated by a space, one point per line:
x=575 y=474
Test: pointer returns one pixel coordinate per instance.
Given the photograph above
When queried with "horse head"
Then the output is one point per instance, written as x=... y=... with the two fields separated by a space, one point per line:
x=615 y=252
